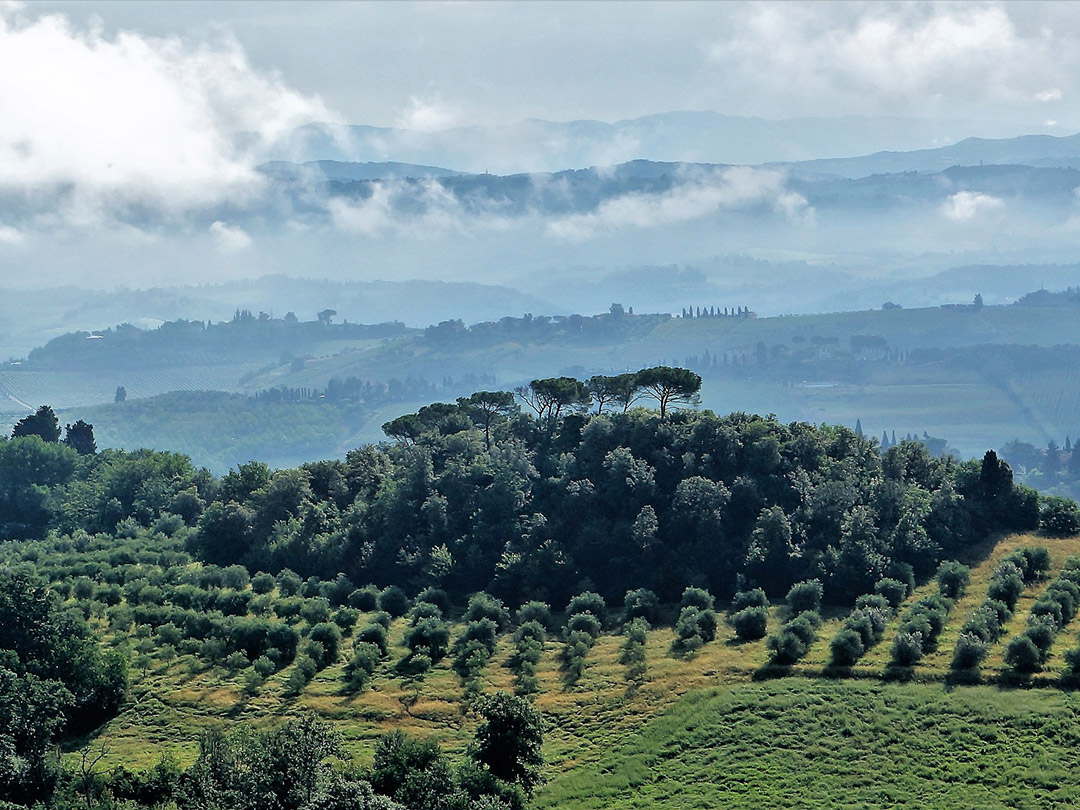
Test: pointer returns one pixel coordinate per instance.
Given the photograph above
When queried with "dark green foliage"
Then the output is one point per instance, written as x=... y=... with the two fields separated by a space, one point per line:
x=696 y=597
x=345 y=618
x=424 y=610
x=362 y=665
x=42 y=423
x=485 y=606
x=641 y=603
x=632 y=654
x=1058 y=517
x=374 y=634
x=1022 y=655
x=804 y=596
x=263 y=582
x=434 y=596
x=952 y=579
x=846 y=647
x=748 y=599
x=874 y=601
x=694 y=628
x=508 y=740
x=907 y=649
x=892 y=590
x=329 y=636
x=316 y=610
x=535 y=612
x=365 y=599
x=583 y=623
x=970 y=651
x=794 y=639
x=1072 y=660
x=393 y=600
x=750 y=622
x=432 y=635
x=288 y=583
x=588 y=602
x=1006 y=586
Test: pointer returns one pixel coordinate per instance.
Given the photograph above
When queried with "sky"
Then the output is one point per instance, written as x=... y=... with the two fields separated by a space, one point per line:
x=431 y=65
x=115 y=113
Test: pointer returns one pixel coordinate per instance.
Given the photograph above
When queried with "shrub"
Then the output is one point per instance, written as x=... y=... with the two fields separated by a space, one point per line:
x=424 y=610
x=482 y=631
x=875 y=601
x=262 y=582
x=588 y=602
x=288 y=609
x=362 y=665
x=374 y=634
x=952 y=578
x=435 y=596
x=338 y=590
x=846 y=647
x=1072 y=660
x=805 y=596
x=750 y=622
x=535 y=612
x=1042 y=635
x=431 y=634
x=1038 y=562
x=1051 y=608
x=312 y=587
x=345 y=618
x=970 y=651
x=316 y=610
x=747 y=599
x=583 y=623
x=485 y=606
x=530 y=630
x=264 y=666
x=907 y=649
x=381 y=617
x=641 y=604
x=394 y=601
x=1022 y=655
x=892 y=590
x=696 y=597
x=288 y=583
x=861 y=623
x=1006 y=588
x=365 y=599
x=329 y=635
x=235 y=577
x=787 y=646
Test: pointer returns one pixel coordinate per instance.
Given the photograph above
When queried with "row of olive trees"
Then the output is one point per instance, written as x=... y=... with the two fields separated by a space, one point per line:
x=987 y=624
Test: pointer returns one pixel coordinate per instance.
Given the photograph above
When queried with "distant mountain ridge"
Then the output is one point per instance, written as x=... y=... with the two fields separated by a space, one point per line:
x=680 y=136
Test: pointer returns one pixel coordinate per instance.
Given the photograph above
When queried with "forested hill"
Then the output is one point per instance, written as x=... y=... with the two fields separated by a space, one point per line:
x=558 y=503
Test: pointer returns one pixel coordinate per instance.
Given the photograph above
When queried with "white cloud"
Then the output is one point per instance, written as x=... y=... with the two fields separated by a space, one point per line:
x=965 y=206
x=893 y=58
x=91 y=124
x=230 y=238
x=10 y=236
x=696 y=197
x=426 y=116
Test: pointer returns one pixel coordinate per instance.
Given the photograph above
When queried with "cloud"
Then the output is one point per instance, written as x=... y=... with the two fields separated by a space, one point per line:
x=230 y=238
x=10 y=236
x=699 y=196
x=893 y=58
x=965 y=206
x=93 y=126
x=427 y=116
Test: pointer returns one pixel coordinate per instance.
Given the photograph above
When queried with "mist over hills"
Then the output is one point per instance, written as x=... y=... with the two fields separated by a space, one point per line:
x=678 y=136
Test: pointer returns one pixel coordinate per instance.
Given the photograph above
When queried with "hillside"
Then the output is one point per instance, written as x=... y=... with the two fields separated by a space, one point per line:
x=977 y=378
x=615 y=743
